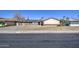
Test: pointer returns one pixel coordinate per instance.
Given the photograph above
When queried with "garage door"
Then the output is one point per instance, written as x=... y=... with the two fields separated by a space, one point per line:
x=74 y=24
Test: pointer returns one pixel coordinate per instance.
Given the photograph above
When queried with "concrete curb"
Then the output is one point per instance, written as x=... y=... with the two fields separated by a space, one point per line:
x=39 y=31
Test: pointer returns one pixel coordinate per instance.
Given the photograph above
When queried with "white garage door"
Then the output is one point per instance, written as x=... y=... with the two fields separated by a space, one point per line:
x=74 y=24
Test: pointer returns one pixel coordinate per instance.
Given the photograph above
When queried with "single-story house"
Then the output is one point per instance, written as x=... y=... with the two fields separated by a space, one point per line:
x=12 y=21
x=74 y=23
x=49 y=21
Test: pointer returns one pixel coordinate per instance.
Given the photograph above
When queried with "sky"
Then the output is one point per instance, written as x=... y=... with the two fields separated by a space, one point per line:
x=37 y=14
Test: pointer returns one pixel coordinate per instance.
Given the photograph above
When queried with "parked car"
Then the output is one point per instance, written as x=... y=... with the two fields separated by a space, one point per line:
x=2 y=24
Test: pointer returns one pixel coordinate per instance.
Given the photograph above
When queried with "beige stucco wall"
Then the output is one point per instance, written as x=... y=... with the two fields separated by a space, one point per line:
x=51 y=21
x=9 y=23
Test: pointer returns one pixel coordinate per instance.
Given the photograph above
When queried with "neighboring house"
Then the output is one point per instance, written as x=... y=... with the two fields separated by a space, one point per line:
x=74 y=23
x=12 y=21
x=8 y=21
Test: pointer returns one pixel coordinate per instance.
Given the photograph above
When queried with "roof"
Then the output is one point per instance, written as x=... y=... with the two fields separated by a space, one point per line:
x=32 y=20
x=1 y=18
x=51 y=18
x=12 y=19
x=73 y=20
x=40 y=20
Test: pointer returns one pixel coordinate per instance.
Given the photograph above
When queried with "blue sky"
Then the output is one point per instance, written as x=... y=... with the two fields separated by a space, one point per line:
x=37 y=14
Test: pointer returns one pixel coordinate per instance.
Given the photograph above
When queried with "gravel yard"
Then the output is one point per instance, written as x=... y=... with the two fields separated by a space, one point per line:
x=37 y=27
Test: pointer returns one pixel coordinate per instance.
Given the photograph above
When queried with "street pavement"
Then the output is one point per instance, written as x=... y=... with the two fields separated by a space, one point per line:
x=39 y=40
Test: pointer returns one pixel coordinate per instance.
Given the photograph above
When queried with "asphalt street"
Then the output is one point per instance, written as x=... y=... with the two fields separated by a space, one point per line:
x=39 y=40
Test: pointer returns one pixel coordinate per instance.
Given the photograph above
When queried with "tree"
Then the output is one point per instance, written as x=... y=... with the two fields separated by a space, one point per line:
x=62 y=22
x=78 y=16
x=42 y=18
x=65 y=21
x=19 y=17
x=27 y=18
x=64 y=17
